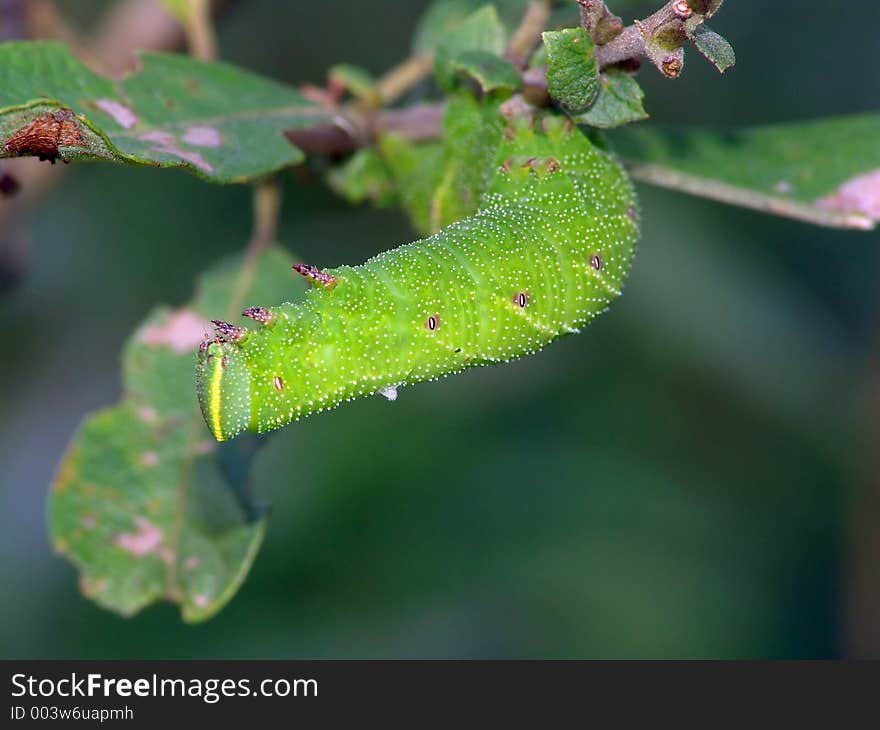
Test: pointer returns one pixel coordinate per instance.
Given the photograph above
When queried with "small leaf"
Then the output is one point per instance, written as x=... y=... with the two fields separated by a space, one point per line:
x=480 y=31
x=444 y=17
x=714 y=47
x=140 y=503
x=539 y=57
x=364 y=177
x=415 y=169
x=824 y=171
x=491 y=72
x=357 y=81
x=572 y=75
x=210 y=118
x=619 y=102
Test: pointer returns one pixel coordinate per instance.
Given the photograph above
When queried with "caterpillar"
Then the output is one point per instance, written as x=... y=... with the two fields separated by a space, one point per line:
x=546 y=252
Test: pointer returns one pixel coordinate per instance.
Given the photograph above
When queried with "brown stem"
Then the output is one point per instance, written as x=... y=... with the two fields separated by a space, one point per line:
x=528 y=34
x=267 y=209
x=659 y=37
x=396 y=82
x=597 y=20
x=630 y=43
x=415 y=123
x=199 y=29
x=352 y=129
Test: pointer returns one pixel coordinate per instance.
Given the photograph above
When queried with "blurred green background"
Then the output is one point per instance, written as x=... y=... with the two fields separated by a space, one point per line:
x=695 y=476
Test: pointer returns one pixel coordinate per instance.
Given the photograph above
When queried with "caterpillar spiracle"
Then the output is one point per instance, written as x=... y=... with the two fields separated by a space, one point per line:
x=546 y=252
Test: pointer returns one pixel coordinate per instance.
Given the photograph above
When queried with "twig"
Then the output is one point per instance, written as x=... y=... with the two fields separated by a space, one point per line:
x=396 y=82
x=745 y=198
x=629 y=44
x=353 y=129
x=614 y=46
x=528 y=34
x=266 y=211
x=415 y=123
x=199 y=29
x=634 y=41
x=601 y=24
x=267 y=208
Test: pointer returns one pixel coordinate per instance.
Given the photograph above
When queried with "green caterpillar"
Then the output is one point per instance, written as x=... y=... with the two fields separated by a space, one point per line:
x=547 y=251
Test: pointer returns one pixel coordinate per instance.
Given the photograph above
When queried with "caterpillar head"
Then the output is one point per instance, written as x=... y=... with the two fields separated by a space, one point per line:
x=223 y=384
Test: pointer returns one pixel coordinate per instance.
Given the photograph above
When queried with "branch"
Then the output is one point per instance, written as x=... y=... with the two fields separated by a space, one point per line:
x=200 y=37
x=528 y=34
x=266 y=212
x=402 y=78
x=598 y=21
x=352 y=129
x=660 y=37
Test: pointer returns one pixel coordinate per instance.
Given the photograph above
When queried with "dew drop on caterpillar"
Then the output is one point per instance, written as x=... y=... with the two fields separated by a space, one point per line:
x=547 y=251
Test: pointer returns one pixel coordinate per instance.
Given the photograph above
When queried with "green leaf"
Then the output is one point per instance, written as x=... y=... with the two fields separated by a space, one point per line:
x=415 y=169
x=445 y=17
x=364 y=177
x=825 y=171
x=210 y=118
x=141 y=503
x=480 y=31
x=357 y=81
x=491 y=72
x=714 y=47
x=572 y=74
x=539 y=57
x=619 y=102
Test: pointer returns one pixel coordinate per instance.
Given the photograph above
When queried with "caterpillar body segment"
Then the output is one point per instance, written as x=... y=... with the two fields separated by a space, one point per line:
x=547 y=251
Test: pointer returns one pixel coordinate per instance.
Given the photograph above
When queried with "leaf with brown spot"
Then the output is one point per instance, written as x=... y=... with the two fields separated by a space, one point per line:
x=143 y=509
x=213 y=119
x=44 y=136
